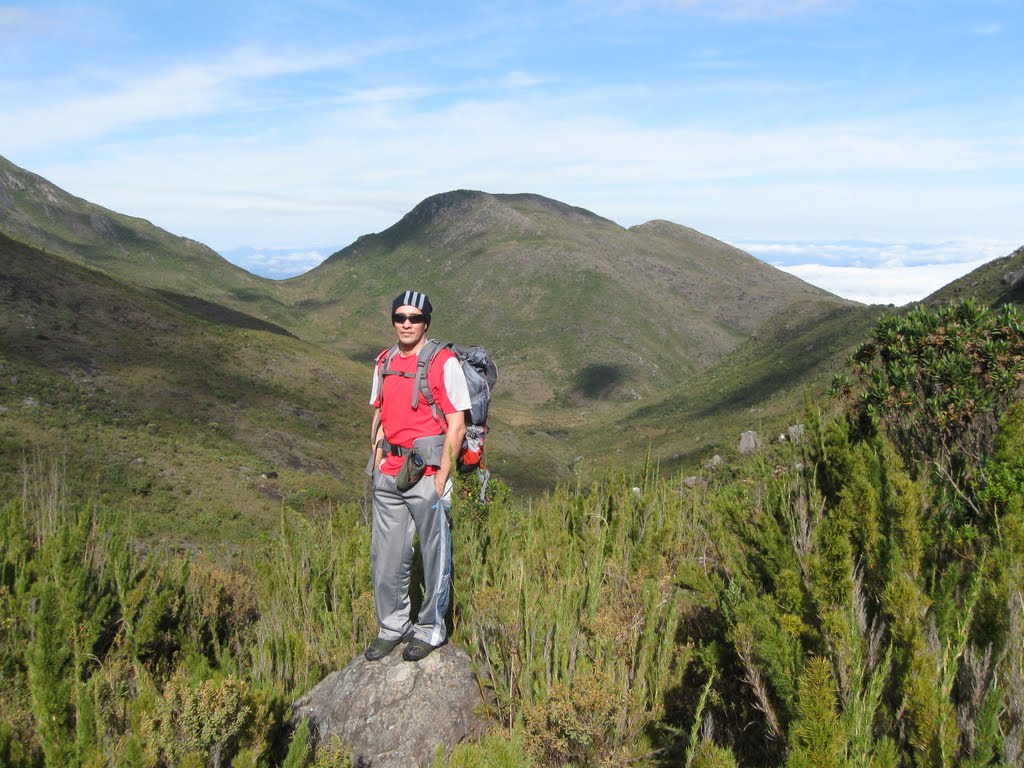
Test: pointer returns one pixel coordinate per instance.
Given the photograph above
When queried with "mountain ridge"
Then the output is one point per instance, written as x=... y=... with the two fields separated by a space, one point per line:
x=1000 y=281
x=524 y=265
x=654 y=339
x=37 y=212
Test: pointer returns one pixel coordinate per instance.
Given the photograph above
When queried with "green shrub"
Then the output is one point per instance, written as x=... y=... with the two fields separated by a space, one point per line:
x=848 y=605
x=199 y=721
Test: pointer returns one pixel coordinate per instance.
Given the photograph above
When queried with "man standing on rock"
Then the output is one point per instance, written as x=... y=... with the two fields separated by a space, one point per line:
x=414 y=442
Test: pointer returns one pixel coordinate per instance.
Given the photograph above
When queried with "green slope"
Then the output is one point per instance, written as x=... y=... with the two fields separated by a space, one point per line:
x=763 y=385
x=575 y=306
x=611 y=342
x=38 y=213
x=1000 y=281
x=167 y=407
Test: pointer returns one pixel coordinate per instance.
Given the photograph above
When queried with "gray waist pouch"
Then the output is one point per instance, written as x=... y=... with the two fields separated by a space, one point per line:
x=412 y=469
x=430 y=448
x=426 y=451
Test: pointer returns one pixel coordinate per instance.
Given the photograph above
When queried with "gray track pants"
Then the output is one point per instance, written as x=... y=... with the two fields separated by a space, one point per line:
x=397 y=517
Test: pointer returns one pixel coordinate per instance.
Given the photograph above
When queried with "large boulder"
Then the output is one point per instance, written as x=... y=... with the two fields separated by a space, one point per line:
x=397 y=713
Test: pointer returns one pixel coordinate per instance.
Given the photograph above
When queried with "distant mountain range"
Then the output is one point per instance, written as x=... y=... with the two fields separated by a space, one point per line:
x=612 y=343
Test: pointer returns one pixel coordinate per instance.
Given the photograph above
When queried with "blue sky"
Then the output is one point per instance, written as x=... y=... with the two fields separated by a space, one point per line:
x=873 y=148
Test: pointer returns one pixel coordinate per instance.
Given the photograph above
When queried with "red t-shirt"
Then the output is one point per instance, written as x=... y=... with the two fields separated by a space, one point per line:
x=401 y=423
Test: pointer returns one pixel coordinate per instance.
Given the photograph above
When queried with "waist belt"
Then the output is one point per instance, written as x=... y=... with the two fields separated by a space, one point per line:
x=429 y=447
x=394 y=450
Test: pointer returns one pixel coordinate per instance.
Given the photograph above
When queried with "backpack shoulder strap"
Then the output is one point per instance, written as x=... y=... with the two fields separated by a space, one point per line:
x=423 y=362
x=384 y=361
x=380 y=368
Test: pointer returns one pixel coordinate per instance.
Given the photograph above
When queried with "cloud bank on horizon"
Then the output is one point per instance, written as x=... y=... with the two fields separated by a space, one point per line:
x=874 y=149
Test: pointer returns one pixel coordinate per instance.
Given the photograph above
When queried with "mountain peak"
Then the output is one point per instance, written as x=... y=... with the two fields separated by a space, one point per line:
x=450 y=219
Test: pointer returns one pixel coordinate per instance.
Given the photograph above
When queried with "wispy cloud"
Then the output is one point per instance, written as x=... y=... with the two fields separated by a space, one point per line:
x=734 y=10
x=988 y=30
x=388 y=93
x=317 y=122
x=184 y=90
x=13 y=16
x=517 y=79
x=390 y=154
x=277 y=263
x=753 y=10
x=876 y=272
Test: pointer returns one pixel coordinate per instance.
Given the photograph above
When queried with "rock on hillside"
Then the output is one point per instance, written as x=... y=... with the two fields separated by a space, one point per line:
x=395 y=714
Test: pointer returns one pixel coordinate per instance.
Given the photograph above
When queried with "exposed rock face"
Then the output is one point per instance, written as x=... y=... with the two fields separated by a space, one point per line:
x=748 y=442
x=714 y=461
x=1014 y=279
x=396 y=713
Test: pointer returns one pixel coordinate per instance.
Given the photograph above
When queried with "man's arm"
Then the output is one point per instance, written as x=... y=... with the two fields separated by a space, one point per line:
x=376 y=433
x=452 y=447
x=376 y=427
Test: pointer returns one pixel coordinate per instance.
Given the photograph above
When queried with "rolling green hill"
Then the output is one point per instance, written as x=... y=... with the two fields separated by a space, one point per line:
x=173 y=382
x=202 y=420
x=1000 y=281
x=577 y=308
x=35 y=212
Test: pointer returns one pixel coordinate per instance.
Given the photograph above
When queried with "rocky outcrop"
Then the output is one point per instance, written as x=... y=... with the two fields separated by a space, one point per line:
x=395 y=713
x=1014 y=279
x=748 y=442
x=795 y=433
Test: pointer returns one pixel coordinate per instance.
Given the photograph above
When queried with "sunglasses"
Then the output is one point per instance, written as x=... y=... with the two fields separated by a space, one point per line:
x=399 y=319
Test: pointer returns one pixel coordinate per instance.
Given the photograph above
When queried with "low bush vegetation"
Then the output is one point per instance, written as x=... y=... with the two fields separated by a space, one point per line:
x=852 y=600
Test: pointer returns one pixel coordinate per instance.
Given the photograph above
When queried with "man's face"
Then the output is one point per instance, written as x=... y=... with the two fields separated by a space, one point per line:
x=409 y=333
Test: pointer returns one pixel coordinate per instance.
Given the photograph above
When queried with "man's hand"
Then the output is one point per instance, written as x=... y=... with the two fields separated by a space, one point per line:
x=449 y=453
x=439 y=484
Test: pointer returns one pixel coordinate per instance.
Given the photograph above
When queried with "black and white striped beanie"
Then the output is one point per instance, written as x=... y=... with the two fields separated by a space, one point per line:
x=413 y=299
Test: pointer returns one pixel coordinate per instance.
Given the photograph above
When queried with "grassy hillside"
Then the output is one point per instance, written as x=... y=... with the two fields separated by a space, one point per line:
x=836 y=602
x=38 y=213
x=587 y=320
x=168 y=406
x=1000 y=281
x=764 y=385
x=613 y=344
x=575 y=307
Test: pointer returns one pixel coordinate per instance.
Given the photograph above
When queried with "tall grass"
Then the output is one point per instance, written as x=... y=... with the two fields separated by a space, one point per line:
x=808 y=606
x=573 y=609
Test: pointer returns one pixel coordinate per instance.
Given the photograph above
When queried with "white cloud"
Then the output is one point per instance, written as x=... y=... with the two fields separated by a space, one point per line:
x=880 y=273
x=276 y=264
x=762 y=9
x=988 y=30
x=188 y=90
x=881 y=285
x=350 y=171
x=346 y=162
x=517 y=79
x=388 y=93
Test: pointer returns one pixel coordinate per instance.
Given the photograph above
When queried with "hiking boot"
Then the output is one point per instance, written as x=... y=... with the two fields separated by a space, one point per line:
x=417 y=650
x=380 y=647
